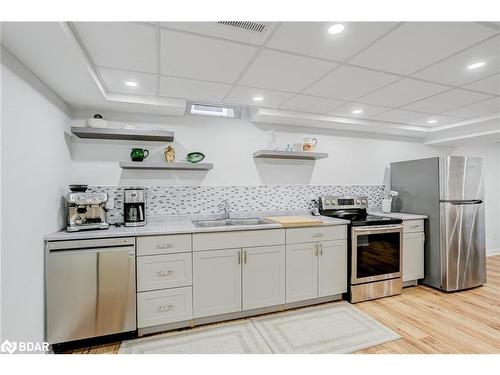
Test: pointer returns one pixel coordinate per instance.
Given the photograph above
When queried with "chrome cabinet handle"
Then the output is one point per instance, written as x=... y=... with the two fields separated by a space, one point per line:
x=165 y=245
x=414 y=226
x=316 y=235
x=165 y=308
x=316 y=249
x=164 y=273
x=244 y=256
x=239 y=257
x=320 y=249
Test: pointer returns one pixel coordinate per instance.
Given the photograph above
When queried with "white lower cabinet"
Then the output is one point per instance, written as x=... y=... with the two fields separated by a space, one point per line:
x=301 y=272
x=315 y=269
x=216 y=282
x=163 y=306
x=413 y=256
x=332 y=275
x=263 y=276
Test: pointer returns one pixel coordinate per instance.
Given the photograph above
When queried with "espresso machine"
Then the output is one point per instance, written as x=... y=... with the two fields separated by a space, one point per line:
x=134 y=205
x=86 y=211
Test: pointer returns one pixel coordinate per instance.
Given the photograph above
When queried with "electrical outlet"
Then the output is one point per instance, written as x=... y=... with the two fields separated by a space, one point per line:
x=110 y=205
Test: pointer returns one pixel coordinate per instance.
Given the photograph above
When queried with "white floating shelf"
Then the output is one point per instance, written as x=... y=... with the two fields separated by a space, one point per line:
x=123 y=134
x=165 y=166
x=304 y=155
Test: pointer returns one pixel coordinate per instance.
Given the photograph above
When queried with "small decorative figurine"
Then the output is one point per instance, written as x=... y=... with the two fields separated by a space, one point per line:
x=169 y=154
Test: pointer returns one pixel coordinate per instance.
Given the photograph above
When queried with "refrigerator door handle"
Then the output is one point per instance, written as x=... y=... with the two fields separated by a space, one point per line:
x=464 y=201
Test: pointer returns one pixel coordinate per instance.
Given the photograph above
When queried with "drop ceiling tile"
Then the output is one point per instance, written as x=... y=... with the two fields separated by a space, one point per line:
x=312 y=104
x=192 y=89
x=402 y=92
x=283 y=71
x=484 y=108
x=349 y=83
x=446 y=101
x=223 y=31
x=367 y=110
x=397 y=115
x=453 y=70
x=245 y=95
x=414 y=45
x=120 y=45
x=489 y=85
x=198 y=57
x=115 y=81
x=313 y=39
x=436 y=121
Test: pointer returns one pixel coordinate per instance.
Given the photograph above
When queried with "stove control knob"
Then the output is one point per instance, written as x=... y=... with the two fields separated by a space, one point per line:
x=358 y=202
x=334 y=203
x=363 y=201
x=327 y=202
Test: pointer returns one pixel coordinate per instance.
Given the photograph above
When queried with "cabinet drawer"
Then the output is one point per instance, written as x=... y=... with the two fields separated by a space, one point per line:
x=163 y=271
x=164 y=306
x=320 y=233
x=151 y=245
x=410 y=226
x=229 y=240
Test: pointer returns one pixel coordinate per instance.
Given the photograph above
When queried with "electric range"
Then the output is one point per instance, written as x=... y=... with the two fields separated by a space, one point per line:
x=375 y=246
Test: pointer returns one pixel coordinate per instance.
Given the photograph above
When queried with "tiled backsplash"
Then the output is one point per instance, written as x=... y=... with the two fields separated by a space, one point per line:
x=184 y=200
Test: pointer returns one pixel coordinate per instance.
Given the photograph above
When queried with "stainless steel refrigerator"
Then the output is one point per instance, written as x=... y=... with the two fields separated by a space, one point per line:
x=450 y=191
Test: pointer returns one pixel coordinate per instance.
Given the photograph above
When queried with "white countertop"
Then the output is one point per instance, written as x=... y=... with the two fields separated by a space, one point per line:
x=170 y=225
x=399 y=215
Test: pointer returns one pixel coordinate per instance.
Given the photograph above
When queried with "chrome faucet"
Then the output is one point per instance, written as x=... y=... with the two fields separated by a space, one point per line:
x=224 y=206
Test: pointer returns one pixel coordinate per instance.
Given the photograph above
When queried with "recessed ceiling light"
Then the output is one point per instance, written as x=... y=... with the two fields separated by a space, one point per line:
x=258 y=98
x=476 y=65
x=131 y=83
x=432 y=121
x=336 y=28
x=357 y=111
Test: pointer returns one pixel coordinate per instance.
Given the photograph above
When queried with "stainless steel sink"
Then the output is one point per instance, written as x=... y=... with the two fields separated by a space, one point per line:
x=211 y=223
x=248 y=221
x=227 y=222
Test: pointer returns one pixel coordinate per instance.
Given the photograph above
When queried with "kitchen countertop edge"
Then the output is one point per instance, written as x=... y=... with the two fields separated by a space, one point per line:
x=175 y=227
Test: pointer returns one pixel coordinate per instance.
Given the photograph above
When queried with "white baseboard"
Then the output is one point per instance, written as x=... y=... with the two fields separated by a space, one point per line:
x=492 y=252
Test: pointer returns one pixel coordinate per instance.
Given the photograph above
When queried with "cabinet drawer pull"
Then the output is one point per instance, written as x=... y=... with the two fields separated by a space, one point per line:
x=245 y=256
x=414 y=226
x=316 y=250
x=165 y=308
x=164 y=273
x=239 y=257
x=320 y=249
x=165 y=245
x=316 y=235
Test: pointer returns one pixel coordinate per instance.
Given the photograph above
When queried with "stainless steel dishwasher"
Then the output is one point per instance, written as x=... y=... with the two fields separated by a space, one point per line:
x=90 y=288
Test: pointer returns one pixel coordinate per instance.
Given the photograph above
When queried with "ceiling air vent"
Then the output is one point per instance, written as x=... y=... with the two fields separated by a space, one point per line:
x=254 y=27
x=216 y=110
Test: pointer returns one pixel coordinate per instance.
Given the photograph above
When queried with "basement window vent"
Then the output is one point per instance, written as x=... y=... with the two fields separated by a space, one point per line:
x=214 y=110
x=255 y=27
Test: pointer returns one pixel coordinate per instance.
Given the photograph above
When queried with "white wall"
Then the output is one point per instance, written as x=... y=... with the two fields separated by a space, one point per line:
x=491 y=155
x=229 y=144
x=35 y=168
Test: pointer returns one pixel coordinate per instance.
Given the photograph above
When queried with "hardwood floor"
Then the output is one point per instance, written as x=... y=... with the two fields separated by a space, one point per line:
x=428 y=321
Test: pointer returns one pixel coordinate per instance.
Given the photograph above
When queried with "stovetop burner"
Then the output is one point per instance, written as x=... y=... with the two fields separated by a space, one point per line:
x=354 y=210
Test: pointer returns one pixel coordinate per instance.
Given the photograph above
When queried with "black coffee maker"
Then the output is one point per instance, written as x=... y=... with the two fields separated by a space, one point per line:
x=134 y=205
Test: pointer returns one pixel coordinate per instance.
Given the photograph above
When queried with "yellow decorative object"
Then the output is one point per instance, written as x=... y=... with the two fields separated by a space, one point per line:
x=169 y=154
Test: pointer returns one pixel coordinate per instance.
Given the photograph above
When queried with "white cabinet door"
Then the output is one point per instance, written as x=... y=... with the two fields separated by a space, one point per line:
x=301 y=272
x=216 y=282
x=263 y=276
x=332 y=277
x=413 y=256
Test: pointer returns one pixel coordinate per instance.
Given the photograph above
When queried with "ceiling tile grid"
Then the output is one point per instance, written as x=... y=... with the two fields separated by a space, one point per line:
x=397 y=72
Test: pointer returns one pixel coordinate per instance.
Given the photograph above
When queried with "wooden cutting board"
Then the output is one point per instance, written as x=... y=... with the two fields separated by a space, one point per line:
x=295 y=221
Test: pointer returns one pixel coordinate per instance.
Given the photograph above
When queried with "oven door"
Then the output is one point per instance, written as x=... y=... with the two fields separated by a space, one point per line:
x=376 y=253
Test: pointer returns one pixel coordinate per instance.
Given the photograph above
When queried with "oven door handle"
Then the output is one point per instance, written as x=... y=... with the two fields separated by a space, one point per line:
x=389 y=228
